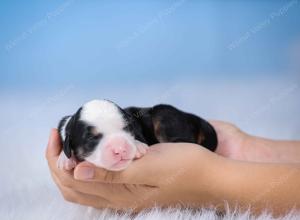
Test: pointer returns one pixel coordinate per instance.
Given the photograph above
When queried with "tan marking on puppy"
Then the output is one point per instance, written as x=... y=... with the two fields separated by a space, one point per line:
x=157 y=132
x=200 y=138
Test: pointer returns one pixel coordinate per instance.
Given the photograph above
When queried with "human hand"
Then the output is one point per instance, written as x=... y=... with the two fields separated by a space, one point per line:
x=231 y=140
x=169 y=174
x=236 y=144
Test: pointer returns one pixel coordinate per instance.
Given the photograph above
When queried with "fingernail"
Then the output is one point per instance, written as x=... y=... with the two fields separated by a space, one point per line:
x=84 y=173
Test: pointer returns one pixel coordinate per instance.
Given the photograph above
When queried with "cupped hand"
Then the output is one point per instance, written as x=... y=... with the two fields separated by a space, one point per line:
x=169 y=174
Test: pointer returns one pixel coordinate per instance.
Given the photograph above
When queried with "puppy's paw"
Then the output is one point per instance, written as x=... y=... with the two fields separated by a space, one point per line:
x=141 y=149
x=66 y=163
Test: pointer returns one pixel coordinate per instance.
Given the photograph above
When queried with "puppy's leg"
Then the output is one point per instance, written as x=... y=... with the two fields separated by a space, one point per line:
x=66 y=163
x=141 y=149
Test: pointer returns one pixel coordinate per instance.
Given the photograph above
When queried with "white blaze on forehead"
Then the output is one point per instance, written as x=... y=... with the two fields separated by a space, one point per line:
x=104 y=115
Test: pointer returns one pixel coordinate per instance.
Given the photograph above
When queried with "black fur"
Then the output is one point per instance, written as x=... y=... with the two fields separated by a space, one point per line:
x=78 y=135
x=165 y=123
x=66 y=141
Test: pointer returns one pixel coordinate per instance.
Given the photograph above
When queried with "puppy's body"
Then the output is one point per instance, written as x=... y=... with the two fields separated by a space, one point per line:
x=164 y=123
x=111 y=137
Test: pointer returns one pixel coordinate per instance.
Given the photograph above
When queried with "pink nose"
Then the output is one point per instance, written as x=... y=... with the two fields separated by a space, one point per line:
x=119 y=147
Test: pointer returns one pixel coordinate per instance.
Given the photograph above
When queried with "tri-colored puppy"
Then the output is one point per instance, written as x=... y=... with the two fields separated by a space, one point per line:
x=110 y=137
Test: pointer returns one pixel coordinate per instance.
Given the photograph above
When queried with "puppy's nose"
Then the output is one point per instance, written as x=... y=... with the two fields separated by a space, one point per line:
x=120 y=148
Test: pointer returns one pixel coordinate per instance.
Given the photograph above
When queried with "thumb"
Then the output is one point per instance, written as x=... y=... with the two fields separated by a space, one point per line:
x=54 y=144
x=134 y=174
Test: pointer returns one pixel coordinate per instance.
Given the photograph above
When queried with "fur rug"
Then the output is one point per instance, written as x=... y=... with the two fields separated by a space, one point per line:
x=44 y=202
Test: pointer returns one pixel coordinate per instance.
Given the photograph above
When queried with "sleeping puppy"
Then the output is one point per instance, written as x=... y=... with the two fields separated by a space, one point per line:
x=110 y=137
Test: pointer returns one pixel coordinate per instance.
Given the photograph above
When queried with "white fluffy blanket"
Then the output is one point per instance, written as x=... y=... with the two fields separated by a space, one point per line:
x=268 y=109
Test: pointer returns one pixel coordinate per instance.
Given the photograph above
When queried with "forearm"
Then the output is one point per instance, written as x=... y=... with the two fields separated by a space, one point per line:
x=261 y=186
x=258 y=186
x=266 y=150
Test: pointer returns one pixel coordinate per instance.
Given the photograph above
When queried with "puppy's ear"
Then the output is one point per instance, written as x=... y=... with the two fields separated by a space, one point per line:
x=64 y=129
x=67 y=147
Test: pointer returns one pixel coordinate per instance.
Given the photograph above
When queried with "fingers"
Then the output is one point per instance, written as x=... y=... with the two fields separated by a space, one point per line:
x=105 y=191
x=65 y=179
x=221 y=124
x=135 y=174
x=141 y=149
x=87 y=171
x=73 y=196
x=66 y=163
x=54 y=145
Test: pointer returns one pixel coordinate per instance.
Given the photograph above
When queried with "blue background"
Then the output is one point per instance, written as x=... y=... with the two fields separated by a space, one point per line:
x=47 y=45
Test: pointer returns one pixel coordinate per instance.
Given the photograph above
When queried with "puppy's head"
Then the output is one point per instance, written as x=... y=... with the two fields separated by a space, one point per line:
x=98 y=133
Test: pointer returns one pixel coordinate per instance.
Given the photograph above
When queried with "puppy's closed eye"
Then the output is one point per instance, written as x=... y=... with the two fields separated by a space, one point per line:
x=95 y=137
x=93 y=134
